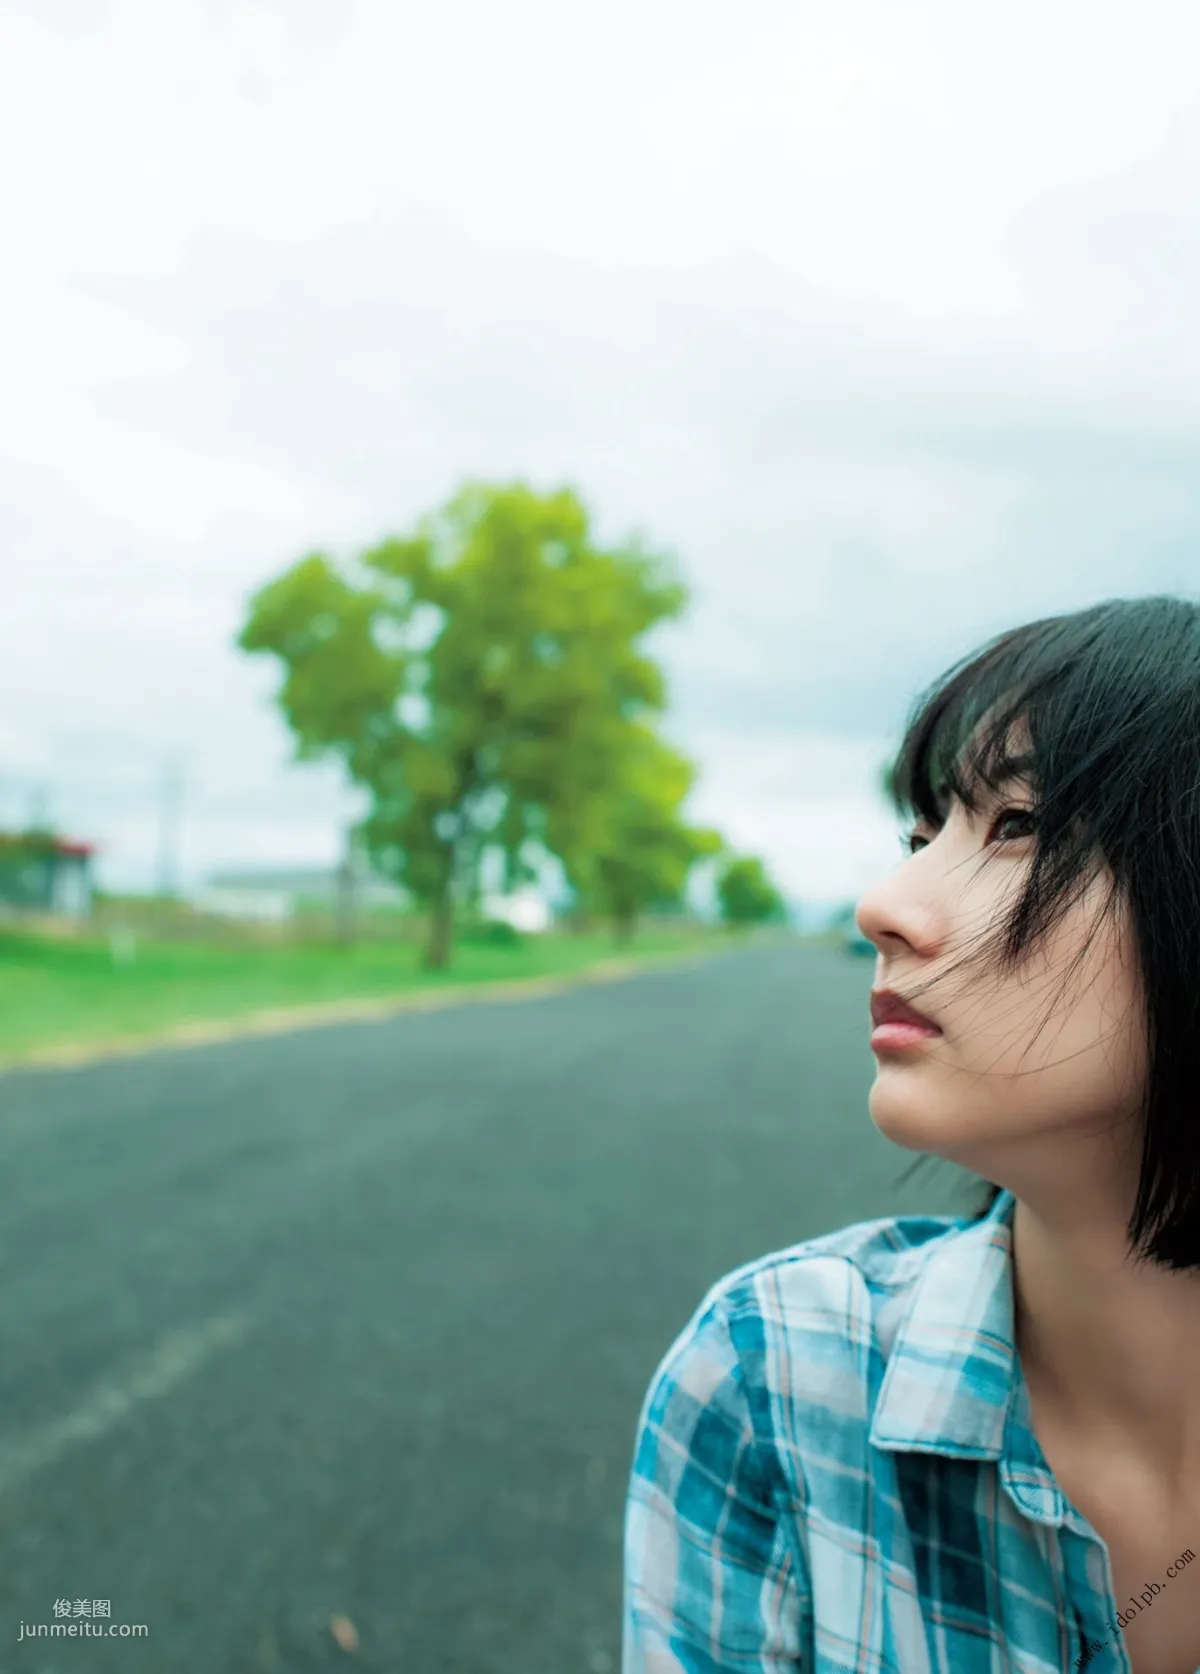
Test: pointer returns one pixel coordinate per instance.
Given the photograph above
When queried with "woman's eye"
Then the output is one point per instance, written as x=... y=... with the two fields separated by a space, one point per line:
x=1007 y=814
x=910 y=839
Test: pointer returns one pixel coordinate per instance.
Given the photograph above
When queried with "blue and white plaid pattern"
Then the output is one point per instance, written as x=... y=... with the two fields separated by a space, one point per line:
x=835 y=1472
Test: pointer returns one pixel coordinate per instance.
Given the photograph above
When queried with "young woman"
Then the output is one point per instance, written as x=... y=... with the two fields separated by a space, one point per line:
x=942 y=1445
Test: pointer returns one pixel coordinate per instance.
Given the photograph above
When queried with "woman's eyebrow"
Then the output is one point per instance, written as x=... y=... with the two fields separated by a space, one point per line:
x=1015 y=768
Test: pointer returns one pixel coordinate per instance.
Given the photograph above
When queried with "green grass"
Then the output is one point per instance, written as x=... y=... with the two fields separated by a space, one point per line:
x=59 y=992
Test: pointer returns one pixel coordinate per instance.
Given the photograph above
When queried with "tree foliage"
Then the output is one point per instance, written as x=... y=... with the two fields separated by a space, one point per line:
x=642 y=851
x=746 y=893
x=484 y=678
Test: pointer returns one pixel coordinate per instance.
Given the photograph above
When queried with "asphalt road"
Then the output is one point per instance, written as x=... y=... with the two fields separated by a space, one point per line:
x=325 y=1351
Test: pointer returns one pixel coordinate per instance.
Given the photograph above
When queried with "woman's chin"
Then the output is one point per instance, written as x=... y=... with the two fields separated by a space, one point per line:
x=903 y=1116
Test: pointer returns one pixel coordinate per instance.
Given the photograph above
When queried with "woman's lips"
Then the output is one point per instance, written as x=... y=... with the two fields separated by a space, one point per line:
x=889 y=1007
x=899 y=1032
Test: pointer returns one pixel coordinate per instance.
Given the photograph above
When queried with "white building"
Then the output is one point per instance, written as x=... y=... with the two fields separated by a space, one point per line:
x=274 y=894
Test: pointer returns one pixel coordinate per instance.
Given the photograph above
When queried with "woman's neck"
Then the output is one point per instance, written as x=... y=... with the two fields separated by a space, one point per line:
x=1111 y=1345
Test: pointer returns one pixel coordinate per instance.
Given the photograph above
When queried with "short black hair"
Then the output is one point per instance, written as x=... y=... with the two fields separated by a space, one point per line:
x=1110 y=699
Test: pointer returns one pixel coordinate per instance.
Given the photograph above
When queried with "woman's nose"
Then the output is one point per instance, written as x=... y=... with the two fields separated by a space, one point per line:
x=890 y=912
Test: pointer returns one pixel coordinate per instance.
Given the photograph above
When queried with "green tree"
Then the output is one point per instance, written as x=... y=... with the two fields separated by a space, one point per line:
x=479 y=676
x=637 y=850
x=746 y=893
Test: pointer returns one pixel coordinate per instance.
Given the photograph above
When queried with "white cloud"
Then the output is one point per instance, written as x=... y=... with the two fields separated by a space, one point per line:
x=807 y=800
x=882 y=318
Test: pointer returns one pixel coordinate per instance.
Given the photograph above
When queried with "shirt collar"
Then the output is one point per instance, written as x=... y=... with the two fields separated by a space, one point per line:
x=954 y=1383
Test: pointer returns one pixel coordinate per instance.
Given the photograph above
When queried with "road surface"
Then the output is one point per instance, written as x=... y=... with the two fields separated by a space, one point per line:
x=325 y=1351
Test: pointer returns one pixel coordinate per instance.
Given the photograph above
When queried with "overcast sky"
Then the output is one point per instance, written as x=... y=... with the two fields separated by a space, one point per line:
x=881 y=318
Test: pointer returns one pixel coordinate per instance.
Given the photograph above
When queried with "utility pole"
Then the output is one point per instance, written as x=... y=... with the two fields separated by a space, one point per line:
x=347 y=889
x=169 y=828
x=38 y=803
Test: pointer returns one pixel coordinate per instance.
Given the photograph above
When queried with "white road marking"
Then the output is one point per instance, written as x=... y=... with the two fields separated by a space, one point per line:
x=174 y=1358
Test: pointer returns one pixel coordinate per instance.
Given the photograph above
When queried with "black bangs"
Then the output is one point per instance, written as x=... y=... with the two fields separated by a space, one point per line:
x=1098 y=712
x=961 y=735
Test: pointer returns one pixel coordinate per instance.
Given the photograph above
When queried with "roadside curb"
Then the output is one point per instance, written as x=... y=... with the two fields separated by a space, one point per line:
x=281 y=1020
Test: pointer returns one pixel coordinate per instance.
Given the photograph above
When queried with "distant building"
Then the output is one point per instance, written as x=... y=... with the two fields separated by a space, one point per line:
x=276 y=893
x=41 y=873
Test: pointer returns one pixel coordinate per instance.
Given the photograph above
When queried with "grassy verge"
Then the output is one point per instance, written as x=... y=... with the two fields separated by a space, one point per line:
x=72 y=992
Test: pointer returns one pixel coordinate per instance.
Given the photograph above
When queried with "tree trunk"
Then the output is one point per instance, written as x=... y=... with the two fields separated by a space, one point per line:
x=624 y=925
x=441 y=930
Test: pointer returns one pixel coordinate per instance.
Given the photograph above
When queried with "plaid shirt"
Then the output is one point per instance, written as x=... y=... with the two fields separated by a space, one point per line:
x=835 y=1470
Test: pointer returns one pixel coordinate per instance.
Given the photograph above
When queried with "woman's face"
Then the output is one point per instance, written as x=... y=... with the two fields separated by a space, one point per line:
x=1025 y=1109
